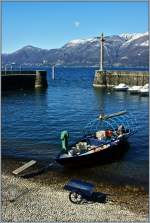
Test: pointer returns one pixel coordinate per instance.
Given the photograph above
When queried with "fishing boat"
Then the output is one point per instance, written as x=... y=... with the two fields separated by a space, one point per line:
x=104 y=140
x=121 y=87
x=144 y=91
x=134 y=89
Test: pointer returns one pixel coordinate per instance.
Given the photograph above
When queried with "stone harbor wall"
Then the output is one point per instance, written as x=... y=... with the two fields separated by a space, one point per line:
x=112 y=78
x=23 y=80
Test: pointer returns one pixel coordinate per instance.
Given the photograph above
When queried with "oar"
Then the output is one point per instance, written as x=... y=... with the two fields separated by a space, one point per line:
x=101 y=117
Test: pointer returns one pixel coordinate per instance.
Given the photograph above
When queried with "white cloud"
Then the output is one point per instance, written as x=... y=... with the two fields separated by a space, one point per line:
x=77 y=24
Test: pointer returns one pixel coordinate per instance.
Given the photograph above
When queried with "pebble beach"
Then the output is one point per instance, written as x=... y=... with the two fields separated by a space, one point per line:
x=42 y=198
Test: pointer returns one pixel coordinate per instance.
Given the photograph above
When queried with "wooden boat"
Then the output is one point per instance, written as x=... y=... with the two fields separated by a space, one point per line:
x=105 y=144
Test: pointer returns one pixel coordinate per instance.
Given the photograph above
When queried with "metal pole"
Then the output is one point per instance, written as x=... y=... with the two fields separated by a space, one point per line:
x=53 y=72
x=101 y=51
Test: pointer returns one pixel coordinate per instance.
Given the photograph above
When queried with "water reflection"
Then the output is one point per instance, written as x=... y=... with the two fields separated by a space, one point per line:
x=100 y=94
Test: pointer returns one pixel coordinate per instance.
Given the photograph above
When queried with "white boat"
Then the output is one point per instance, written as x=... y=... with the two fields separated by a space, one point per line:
x=134 y=89
x=144 y=91
x=121 y=87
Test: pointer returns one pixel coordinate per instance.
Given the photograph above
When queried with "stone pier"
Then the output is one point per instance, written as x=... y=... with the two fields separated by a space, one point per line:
x=12 y=80
x=107 y=78
x=113 y=78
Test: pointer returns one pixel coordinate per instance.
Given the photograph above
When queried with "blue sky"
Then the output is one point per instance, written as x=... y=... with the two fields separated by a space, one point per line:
x=51 y=24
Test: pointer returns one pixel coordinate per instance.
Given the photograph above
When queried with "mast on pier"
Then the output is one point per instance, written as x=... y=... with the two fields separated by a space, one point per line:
x=101 y=51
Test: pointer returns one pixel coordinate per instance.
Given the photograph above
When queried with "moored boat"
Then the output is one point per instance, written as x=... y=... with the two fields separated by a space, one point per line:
x=144 y=91
x=134 y=89
x=103 y=141
x=121 y=87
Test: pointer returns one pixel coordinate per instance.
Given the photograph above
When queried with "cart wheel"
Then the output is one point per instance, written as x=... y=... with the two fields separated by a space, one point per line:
x=75 y=198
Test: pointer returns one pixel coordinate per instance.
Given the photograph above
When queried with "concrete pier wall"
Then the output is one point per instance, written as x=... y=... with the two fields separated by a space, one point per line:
x=112 y=78
x=23 y=80
x=40 y=80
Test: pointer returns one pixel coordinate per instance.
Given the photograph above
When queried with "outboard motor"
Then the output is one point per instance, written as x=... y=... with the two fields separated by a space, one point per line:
x=64 y=140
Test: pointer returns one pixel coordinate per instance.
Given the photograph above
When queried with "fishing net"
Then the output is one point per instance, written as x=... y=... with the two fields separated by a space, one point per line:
x=112 y=122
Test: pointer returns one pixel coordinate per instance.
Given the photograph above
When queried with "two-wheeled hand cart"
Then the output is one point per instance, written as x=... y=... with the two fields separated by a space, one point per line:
x=82 y=191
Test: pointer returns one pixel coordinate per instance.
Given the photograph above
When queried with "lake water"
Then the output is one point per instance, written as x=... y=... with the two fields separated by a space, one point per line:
x=33 y=119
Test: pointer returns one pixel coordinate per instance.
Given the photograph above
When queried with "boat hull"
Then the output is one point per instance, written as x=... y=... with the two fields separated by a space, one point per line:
x=144 y=93
x=134 y=91
x=108 y=155
x=120 y=89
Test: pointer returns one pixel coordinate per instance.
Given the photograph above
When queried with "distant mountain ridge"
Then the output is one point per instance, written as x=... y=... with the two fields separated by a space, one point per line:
x=130 y=50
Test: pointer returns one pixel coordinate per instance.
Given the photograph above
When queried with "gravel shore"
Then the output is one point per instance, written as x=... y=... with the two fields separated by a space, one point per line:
x=42 y=198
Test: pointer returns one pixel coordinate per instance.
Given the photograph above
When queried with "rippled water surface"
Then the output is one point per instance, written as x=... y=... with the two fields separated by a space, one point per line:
x=33 y=119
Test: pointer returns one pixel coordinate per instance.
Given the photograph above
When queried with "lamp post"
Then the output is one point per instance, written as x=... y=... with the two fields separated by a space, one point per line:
x=20 y=68
x=101 y=51
x=5 y=68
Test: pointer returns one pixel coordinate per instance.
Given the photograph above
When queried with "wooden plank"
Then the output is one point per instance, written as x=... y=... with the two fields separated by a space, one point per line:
x=37 y=171
x=25 y=166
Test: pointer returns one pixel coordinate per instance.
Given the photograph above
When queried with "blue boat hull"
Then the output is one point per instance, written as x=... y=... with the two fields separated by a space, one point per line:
x=108 y=155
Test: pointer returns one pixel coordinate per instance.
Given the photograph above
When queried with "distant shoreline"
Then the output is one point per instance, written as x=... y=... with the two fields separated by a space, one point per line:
x=80 y=67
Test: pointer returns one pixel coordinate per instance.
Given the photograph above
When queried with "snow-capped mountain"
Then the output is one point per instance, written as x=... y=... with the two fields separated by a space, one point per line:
x=120 y=50
x=77 y=42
